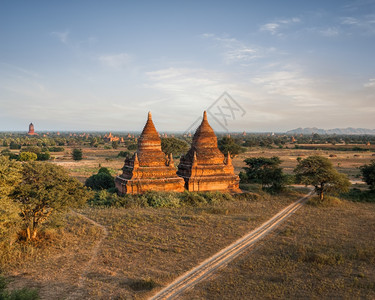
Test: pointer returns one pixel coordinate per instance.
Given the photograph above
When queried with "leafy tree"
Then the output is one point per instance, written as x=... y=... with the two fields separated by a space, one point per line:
x=368 y=174
x=229 y=144
x=132 y=146
x=115 y=144
x=174 y=146
x=265 y=171
x=27 y=156
x=14 y=145
x=43 y=156
x=319 y=172
x=101 y=181
x=44 y=190
x=10 y=172
x=77 y=154
x=124 y=154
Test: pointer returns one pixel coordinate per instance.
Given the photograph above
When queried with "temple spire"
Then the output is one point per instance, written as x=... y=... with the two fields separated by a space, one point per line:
x=204 y=116
x=149 y=116
x=229 y=159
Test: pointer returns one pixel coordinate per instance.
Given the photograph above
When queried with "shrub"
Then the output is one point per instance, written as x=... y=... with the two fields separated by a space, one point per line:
x=124 y=154
x=101 y=181
x=162 y=199
x=77 y=154
x=27 y=156
x=43 y=156
x=22 y=294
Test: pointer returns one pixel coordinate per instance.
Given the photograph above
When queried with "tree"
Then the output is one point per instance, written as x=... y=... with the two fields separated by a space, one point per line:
x=27 y=156
x=174 y=146
x=10 y=172
x=265 y=171
x=368 y=174
x=101 y=181
x=45 y=189
x=115 y=144
x=229 y=144
x=77 y=154
x=319 y=172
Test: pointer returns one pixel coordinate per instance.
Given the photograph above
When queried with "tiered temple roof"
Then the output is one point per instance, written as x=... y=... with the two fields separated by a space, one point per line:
x=149 y=168
x=204 y=167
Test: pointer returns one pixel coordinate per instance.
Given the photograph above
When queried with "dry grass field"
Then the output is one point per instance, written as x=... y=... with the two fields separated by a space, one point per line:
x=322 y=252
x=144 y=250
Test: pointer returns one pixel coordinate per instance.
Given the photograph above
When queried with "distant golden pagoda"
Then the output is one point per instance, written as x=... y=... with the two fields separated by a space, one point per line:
x=204 y=167
x=149 y=168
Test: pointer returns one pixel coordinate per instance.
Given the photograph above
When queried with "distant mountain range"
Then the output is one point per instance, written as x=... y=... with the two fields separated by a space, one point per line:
x=349 y=131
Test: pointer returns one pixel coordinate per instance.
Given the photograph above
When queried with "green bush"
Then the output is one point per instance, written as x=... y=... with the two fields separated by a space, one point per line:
x=43 y=156
x=27 y=156
x=77 y=154
x=22 y=294
x=162 y=199
x=101 y=181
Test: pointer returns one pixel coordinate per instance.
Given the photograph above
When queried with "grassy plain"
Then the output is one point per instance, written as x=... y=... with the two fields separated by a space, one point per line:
x=146 y=248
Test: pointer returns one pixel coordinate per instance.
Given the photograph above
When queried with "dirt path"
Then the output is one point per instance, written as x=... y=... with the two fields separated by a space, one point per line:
x=95 y=251
x=222 y=258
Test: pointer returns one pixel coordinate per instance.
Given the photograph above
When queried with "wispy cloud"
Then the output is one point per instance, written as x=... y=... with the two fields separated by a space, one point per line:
x=117 y=61
x=330 y=32
x=234 y=50
x=275 y=27
x=370 y=83
x=366 y=24
x=62 y=36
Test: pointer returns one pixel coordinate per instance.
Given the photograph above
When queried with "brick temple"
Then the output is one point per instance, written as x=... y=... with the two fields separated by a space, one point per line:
x=149 y=168
x=31 y=130
x=204 y=167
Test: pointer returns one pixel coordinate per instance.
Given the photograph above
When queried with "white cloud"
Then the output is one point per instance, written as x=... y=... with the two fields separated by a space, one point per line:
x=329 y=32
x=234 y=51
x=370 y=83
x=366 y=24
x=276 y=26
x=62 y=36
x=116 y=61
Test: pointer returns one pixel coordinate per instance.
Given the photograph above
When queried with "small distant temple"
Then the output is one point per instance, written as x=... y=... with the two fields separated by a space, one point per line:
x=149 y=168
x=31 y=130
x=111 y=138
x=204 y=167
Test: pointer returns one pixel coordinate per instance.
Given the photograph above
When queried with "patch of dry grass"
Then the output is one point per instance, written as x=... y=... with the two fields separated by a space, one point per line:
x=145 y=249
x=322 y=252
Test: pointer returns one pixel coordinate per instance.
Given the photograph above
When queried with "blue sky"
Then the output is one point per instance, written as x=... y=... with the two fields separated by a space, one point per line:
x=102 y=65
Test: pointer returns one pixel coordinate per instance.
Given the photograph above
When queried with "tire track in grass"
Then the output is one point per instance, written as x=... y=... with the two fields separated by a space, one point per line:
x=94 y=255
x=223 y=257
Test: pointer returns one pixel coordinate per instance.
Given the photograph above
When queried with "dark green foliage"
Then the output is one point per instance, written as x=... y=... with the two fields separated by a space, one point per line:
x=231 y=145
x=356 y=195
x=115 y=144
x=43 y=156
x=173 y=145
x=264 y=171
x=56 y=149
x=133 y=146
x=124 y=154
x=319 y=172
x=77 y=154
x=14 y=145
x=368 y=174
x=22 y=294
x=101 y=181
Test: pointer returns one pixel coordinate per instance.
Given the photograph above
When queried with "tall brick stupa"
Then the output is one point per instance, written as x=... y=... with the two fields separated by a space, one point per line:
x=149 y=168
x=31 y=130
x=204 y=167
